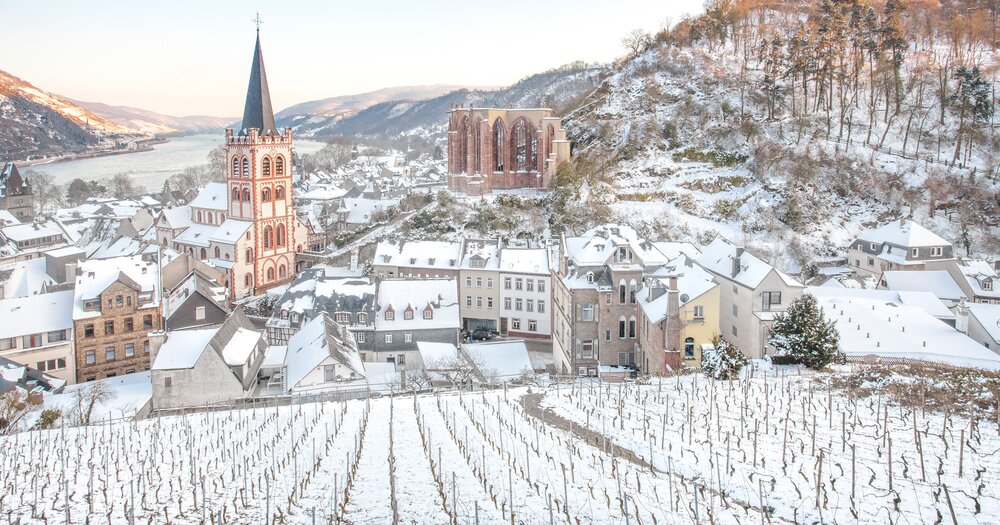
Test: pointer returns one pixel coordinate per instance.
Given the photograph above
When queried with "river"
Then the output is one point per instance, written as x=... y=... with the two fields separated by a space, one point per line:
x=149 y=168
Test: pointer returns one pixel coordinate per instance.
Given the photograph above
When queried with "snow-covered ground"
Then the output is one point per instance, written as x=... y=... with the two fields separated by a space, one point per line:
x=677 y=450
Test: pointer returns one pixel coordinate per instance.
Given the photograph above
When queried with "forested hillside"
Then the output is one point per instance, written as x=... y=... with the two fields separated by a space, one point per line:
x=789 y=126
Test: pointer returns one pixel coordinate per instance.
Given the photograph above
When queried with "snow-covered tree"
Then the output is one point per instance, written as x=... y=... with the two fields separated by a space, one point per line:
x=724 y=361
x=803 y=332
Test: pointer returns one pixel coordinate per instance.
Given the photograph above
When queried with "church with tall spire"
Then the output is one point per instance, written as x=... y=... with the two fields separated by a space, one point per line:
x=259 y=180
x=247 y=225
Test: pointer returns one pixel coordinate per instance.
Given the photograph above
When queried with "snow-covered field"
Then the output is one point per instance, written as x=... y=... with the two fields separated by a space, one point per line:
x=680 y=450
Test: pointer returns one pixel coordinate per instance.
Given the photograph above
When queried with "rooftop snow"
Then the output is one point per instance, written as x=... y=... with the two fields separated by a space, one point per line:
x=501 y=360
x=183 y=348
x=36 y=314
x=908 y=235
x=240 y=346
x=212 y=197
x=96 y=275
x=441 y=294
x=597 y=245
x=418 y=254
x=718 y=258
x=524 y=260
x=230 y=231
x=938 y=282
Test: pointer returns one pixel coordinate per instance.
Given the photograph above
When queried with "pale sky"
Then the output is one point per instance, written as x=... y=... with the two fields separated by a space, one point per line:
x=193 y=57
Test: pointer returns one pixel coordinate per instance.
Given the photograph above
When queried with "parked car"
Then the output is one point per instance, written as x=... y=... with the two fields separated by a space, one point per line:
x=480 y=334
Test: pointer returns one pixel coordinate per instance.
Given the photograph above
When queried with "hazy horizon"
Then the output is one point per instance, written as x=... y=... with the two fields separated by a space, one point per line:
x=190 y=58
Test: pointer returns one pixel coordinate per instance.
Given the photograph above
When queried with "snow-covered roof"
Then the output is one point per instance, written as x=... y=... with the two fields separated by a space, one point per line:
x=598 y=244
x=525 y=260
x=431 y=353
x=419 y=254
x=213 y=197
x=481 y=254
x=907 y=234
x=692 y=279
x=441 y=295
x=179 y=217
x=874 y=327
x=36 y=314
x=317 y=341
x=323 y=193
x=240 y=346
x=978 y=272
x=230 y=231
x=500 y=361
x=938 y=282
x=197 y=235
x=7 y=218
x=183 y=348
x=31 y=230
x=672 y=250
x=719 y=256
x=988 y=316
x=94 y=276
x=360 y=210
x=925 y=301
x=24 y=278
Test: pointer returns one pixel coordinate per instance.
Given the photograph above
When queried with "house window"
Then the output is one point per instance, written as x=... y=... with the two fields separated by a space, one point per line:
x=329 y=373
x=407 y=314
x=390 y=315
x=541 y=285
x=631 y=327
x=109 y=353
x=119 y=300
x=530 y=304
x=109 y=327
x=769 y=299
x=128 y=324
x=479 y=302
x=699 y=312
x=607 y=335
x=590 y=277
x=624 y=254
x=168 y=382
x=489 y=302
x=342 y=317
x=408 y=337
x=518 y=304
x=359 y=337
x=489 y=282
x=8 y=343
x=621 y=292
x=518 y=284
x=33 y=340
x=515 y=324
x=145 y=346
x=689 y=348
x=468 y=300
x=129 y=349
x=362 y=318
x=541 y=306
x=988 y=285
x=428 y=313
x=871 y=261
x=607 y=298
x=506 y=303
x=56 y=336
x=873 y=246
x=914 y=252
x=621 y=327
x=736 y=311
x=90 y=357
x=400 y=359
x=479 y=282
x=735 y=332
x=531 y=285
x=468 y=282
x=532 y=325
x=199 y=313
x=388 y=338
x=506 y=283
x=937 y=251
x=588 y=348
x=147 y=321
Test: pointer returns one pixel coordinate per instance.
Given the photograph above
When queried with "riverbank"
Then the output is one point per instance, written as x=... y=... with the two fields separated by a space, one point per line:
x=144 y=145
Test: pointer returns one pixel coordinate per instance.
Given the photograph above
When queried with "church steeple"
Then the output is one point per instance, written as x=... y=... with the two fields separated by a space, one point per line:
x=258 y=113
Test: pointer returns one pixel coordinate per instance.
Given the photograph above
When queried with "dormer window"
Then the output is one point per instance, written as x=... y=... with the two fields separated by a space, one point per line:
x=390 y=315
x=624 y=254
x=914 y=252
x=92 y=304
x=386 y=258
x=590 y=277
x=451 y=262
x=408 y=314
x=988 y=284
x=430 y=261
x=413 y=260
x=428 y=313
x=937 y=251
x=873 y=246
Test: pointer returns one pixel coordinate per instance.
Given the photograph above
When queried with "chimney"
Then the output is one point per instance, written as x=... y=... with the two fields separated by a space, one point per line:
x=902 y=221
x=672 y=334
x=354 y=259
x=736 y=261
x=962 y=319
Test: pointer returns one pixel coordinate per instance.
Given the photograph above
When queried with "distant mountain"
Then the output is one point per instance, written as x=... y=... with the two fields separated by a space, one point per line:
x=153 y=123
x=309 y=117
x=557 y=88
x=35 y=122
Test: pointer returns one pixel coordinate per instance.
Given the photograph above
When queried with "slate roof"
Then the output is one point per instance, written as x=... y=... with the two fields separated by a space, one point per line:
x=257 y=112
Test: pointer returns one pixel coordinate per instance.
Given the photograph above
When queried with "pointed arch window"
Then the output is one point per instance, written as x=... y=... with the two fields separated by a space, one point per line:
x=236 y=167
x=246 y=167
x=265 y=195
x=236 y=194
x=476 y=149
x=519 y=146
x=280 y=235
x=265 y=167
x=279 y=193
x=268 y=233
x=246 y=194
x=282 y=271
x=498 y=141
x=279 y=165
x=463 y=144
x=249 y=255
x=198 y=215
x=631 y=327
x=204 y=254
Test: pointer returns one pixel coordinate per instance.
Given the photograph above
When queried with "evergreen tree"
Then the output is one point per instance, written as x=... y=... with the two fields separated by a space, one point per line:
x=804 y=333
x=724 y=361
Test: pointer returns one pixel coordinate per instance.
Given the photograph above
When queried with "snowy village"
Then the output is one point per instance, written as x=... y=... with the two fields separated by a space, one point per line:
x=742 y=267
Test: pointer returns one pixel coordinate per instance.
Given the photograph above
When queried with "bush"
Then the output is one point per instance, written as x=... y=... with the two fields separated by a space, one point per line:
x=803 y=333
x=725 y=361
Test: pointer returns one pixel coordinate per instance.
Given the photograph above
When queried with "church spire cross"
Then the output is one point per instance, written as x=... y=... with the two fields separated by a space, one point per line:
x=257 y=21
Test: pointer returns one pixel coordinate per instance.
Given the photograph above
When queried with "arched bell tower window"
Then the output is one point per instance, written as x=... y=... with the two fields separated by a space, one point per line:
x=265 y=195
x=279 y=165
x=279 y=193
x=236 y=194
x=236 y=167
x=246 y=167
x=280 y=235
x=268 y=235
x=265 y=167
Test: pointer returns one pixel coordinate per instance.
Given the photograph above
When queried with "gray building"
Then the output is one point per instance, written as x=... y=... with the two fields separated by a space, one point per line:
x=15 y=193
x=196 y=302
x=899 y=245
x=409 y=311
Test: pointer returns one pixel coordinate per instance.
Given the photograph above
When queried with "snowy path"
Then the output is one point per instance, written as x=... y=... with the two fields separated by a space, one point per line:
x=416 y=491
x=368 y=499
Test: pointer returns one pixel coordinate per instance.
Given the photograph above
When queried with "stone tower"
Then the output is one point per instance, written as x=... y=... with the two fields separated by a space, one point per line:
x=259 y=178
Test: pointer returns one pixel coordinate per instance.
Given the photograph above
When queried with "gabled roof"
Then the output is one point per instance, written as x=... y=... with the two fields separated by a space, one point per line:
x=11 y=181
x=594 y=247
x=36 y=314
x=234 y=342
x=212 y=197
x=179 y=217
x=418 y=294
x=419 y=254
x=988 y=316
x=96 y=275
x=318 y=340
x=719 y=256
x=524 y=260
x=907 y=234
x=257 y=112
x=17 y=376
x=938 y=282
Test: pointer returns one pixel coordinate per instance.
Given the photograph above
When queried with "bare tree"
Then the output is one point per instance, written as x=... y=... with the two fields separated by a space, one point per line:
x=122 y=185
x=14 y=405
x=637 y=41
x=86 y=400
x=47 y=193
